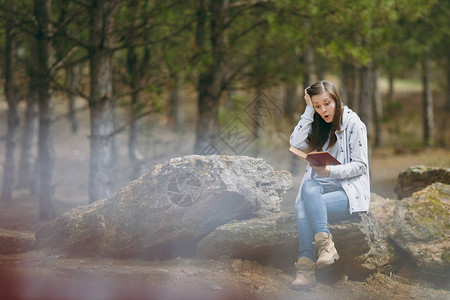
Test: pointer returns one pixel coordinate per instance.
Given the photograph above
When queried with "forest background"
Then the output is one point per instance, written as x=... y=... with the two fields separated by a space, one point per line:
x=98 y=91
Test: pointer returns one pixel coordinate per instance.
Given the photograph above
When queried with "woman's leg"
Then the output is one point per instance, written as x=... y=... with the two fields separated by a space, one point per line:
x=319 y=207
x=305 y=233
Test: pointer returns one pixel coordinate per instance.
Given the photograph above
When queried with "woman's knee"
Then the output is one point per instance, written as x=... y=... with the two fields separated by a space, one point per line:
x=310 y=190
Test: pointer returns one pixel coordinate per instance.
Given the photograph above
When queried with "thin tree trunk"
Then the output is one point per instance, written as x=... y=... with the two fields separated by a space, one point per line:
x=291 y=105
x=321 y=67
x=46 y=155
x=390 y=94
x=366 y=102
x=257 y=124
x=443 y=141
x=135 y=155
x=27 y=171
x=348 y=85
x=12 y=114
x=448 y=82
x=138 y=70
x=209 y=88
x=176 y=96
x=428 y=117
x=27 y=175
x=310 y=65
x=378 y=106
x=101 y=100
x=72 y=82
x=211 y=82
x=133 y=147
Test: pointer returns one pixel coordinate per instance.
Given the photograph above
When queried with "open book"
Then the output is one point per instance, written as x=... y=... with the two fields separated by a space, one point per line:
x=316 y=158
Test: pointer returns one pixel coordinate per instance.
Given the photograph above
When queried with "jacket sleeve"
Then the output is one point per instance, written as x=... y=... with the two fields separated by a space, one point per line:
x=358 y=153
x=303 y=129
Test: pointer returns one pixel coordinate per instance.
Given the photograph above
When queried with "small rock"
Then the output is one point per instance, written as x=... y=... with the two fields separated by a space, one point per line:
x=416 y=178
x=12 y=241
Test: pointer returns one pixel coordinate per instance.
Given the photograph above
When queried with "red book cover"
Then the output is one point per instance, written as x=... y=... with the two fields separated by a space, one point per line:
x=316 y=158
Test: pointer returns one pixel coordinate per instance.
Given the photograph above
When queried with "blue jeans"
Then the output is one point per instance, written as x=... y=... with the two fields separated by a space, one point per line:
x=314 y=208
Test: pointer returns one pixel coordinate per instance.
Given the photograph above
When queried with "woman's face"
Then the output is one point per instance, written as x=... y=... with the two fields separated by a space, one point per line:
x=325 y=106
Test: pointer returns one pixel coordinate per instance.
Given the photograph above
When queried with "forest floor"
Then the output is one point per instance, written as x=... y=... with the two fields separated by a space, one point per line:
x=47 y=275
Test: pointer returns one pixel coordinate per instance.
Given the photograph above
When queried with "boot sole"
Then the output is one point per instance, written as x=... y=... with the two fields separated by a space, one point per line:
x=327 y=263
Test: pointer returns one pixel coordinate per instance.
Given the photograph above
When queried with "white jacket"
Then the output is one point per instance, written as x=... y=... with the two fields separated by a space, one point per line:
x=353 y=154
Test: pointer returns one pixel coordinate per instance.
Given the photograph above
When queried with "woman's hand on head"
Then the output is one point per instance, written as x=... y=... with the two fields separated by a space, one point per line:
x=308 y=98
x=322 y=171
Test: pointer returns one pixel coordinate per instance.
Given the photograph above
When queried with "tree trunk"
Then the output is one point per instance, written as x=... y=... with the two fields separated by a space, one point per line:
x=72 y=82
x=428 y=117
x=176 y=96
x=27 y=172
x=133 y=145
x=378 y=106
x=308 y=56
x=27 y=175
x=321 y=67
x=13 y=118
x=348 y=85
x=211 y=82
x=138 y=73
x=291 y=105
x=46 y=155
x=390 y=94
x=365 y=106
x=101 y=100
x=209 y=89
x=448 y=82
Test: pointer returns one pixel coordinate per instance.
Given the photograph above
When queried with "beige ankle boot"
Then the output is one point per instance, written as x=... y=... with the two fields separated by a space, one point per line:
x=325 y=247
x=306 y=274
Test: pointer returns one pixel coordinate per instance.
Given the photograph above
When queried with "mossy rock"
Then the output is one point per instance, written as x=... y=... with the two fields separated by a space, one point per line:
x=422 y=224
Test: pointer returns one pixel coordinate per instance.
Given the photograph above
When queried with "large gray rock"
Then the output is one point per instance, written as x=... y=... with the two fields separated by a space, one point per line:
x=274 y=241
x=422 y=224
x=167 y=211
x=12 y=241
x=270 y=241
x=416 y=178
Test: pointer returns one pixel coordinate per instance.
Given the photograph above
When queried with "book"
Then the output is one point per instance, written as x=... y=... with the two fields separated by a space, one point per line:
x=316 y=158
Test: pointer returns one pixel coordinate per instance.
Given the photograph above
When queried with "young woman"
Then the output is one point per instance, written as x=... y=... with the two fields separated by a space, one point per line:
x=331 y=192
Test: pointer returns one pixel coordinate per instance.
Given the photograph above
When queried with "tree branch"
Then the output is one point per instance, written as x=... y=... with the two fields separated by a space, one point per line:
x=75 y=92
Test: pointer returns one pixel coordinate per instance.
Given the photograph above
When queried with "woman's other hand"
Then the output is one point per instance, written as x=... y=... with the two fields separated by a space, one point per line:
x=308 y=98
x=322 y=171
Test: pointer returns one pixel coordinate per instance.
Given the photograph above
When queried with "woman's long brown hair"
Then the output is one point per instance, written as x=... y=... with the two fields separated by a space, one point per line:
x=322 y=130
